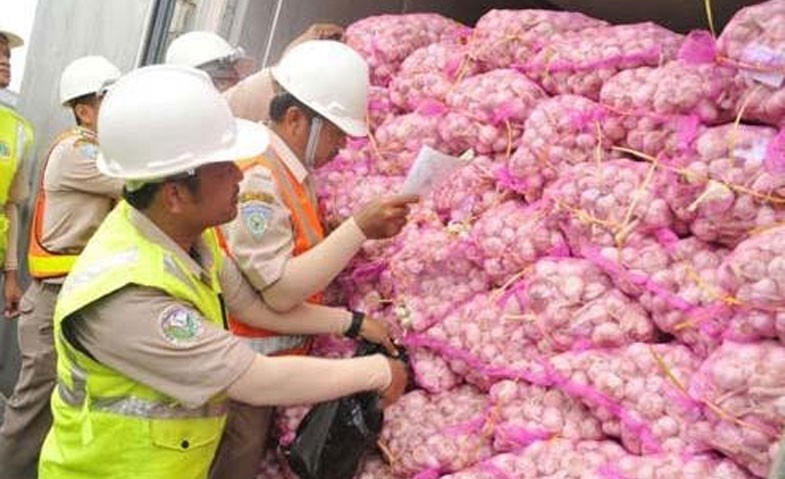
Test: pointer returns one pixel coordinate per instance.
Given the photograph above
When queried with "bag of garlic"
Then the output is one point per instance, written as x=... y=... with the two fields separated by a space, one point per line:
x=753 y=42
x=579 y=63
x=742 y=386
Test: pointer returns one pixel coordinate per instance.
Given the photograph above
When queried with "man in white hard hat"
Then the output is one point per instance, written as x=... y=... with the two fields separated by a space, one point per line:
x=145 y=366
x=278 y=240
x=210 y=53
x=250 y=98
x=73 y=198
x=16 y=142
x=228 y=66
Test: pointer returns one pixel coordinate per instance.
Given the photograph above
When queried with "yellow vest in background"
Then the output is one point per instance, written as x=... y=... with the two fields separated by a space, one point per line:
x=16 y=140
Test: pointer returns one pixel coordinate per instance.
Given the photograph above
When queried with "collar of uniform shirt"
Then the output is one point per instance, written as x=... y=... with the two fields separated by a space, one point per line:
x=154 y=234
x=288 y=157
x=8 y=98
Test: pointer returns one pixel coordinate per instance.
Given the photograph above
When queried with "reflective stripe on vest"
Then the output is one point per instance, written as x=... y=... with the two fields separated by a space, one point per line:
x=16 y=139
x=42 y=262
x=308 y=232
x=106 y=424
x=142 y=408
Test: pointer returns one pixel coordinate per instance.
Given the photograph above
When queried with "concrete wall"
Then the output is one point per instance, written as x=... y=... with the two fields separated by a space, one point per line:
x=295 y=16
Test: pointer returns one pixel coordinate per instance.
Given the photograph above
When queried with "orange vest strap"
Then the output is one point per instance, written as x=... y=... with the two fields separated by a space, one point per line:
x=42 y=262
x=308 y=232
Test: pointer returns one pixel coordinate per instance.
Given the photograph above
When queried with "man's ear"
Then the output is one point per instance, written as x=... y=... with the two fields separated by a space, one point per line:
x=172 y=196
x=293 y=120
x=83 y=113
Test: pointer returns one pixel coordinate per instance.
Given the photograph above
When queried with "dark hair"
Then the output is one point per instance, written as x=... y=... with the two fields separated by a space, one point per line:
x=285 y=100
x=141 y=198
x=91 y=99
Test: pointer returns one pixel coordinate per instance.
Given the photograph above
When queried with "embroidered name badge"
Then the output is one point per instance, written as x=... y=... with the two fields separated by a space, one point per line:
x=256 y=217
x=262 y=196
x=180 y=325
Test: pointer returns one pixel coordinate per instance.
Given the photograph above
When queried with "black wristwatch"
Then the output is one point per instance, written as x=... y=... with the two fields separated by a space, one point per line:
x=357 y=323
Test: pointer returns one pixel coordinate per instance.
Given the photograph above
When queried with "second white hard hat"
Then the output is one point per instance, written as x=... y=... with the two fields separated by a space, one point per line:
x=163 y=120
x=195 y=49
x=85 y=76
x=330 y=78
x=14 y=40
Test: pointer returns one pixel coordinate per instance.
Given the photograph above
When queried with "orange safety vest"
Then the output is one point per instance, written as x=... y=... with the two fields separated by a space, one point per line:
x=43 y=263
x=308 y=232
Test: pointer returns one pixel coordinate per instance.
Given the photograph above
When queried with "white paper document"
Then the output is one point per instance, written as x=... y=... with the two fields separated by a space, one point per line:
x=430 y=168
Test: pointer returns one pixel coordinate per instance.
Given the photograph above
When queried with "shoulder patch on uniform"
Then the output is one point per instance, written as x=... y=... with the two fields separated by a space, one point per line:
x=89 y=150
x=256 y=217
x=262 y=196
x=261 y=171
x=5 y=150
x=180 y=325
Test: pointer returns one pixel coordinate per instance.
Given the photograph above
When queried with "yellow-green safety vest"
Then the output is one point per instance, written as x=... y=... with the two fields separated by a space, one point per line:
x=107 y=425
x=16 y=140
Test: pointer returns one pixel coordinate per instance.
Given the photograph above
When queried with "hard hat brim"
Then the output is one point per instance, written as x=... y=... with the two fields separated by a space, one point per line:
x=14 y=40
x=251 y=139
x=350 y=126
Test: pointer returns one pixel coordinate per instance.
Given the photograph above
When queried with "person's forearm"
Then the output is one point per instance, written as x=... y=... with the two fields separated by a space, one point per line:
x=313 y=270
x=291 y=380
x=12 y=237
x=304 y=319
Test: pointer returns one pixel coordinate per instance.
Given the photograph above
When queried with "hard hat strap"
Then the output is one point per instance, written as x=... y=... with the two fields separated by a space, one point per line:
x=313 y=141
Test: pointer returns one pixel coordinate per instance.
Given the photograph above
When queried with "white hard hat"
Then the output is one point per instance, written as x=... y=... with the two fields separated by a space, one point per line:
x=330 y=78
x=85 y=76
x=163 y=120
x=195 y=49
x=14 y=40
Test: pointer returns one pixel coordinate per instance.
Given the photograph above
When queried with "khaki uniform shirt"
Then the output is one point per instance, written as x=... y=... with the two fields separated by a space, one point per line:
x=250 y=99
x=78 y=196
x=191 y=369
x=262 y=248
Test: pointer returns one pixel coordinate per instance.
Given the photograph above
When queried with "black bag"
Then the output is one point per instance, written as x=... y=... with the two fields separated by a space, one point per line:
x=334 y=436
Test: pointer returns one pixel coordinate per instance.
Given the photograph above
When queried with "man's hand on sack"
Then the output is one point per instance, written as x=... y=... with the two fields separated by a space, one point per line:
x=397 y=386
x=375 y=331
x=385 y=217
x=319 y=31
